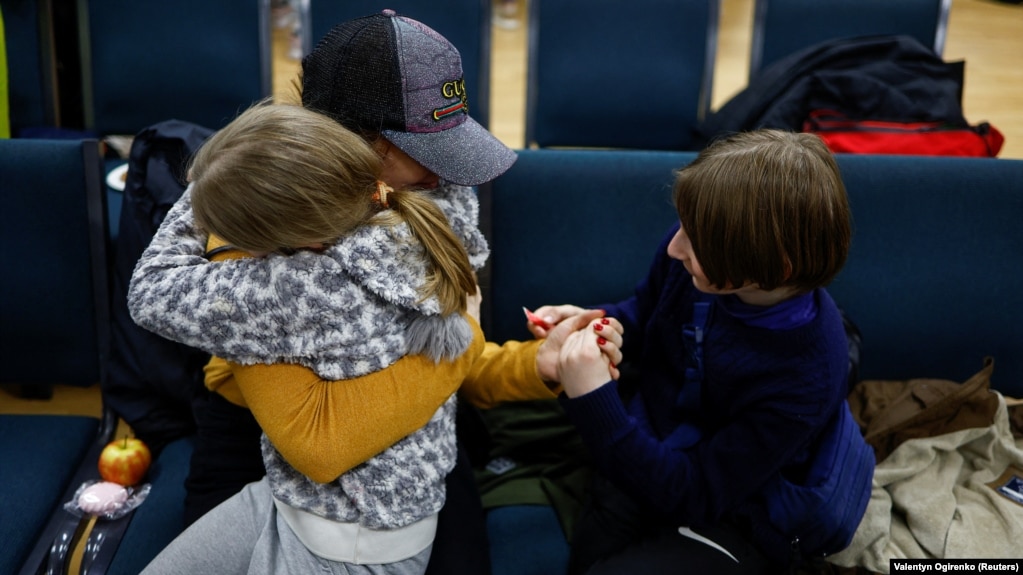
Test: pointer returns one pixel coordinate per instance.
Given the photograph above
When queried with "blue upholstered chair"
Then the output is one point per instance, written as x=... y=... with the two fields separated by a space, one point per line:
x=561 y=193
x=782 y=27
x=933 y=278
x=545 y=250
x=619 y=73
x=193 y=60
x=55 y=329
x=465 y=23
x=125 y=546
x=54 y=301
x=32 y=97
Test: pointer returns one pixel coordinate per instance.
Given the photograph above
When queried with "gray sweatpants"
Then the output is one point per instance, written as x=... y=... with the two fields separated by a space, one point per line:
x=245 y=536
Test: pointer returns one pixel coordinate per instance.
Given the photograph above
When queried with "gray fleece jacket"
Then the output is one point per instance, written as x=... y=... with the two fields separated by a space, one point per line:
x=347 y=311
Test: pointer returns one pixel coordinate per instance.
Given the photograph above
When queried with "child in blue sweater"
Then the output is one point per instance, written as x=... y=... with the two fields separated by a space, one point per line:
x=733 y=451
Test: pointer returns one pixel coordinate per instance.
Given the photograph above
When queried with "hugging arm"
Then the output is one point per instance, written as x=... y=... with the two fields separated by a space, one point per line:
x=177 y=293
x=324 y=428
x=238 y=309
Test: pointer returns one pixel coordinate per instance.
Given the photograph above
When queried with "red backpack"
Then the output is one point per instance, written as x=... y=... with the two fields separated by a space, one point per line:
x=847 y=135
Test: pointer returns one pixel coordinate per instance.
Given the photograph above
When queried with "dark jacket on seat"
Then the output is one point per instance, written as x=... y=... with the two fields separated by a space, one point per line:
x=878 y=77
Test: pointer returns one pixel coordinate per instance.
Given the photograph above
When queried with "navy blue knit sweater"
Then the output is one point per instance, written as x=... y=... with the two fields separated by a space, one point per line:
x=767 y=396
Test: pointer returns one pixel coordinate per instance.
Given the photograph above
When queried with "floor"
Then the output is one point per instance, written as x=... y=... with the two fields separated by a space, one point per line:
x=987 y=34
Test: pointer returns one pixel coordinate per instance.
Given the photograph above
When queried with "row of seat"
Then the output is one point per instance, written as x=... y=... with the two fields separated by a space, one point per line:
x=635 y=75
x=601 y=73
x=202 y=62
x=932 y=281
x=55 y=304
x=126 y=65
x=607 y=73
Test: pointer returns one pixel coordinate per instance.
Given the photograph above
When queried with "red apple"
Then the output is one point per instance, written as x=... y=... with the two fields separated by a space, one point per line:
x=124 y=461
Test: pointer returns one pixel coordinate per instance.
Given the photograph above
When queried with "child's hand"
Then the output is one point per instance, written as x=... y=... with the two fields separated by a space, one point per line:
x=582 y=366
x=609 y=339
x=550 y=316
x=606 y=331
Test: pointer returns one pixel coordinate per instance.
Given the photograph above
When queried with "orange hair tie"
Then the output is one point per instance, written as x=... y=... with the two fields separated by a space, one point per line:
x=380 y=196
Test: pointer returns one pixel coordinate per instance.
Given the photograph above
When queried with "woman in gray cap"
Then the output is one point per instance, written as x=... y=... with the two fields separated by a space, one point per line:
x=398 y=84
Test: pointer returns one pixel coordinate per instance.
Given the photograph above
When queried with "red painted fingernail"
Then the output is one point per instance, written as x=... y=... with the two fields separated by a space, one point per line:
x=605 y=321
x=598 y=327
x=612 y=365
x=601 y=341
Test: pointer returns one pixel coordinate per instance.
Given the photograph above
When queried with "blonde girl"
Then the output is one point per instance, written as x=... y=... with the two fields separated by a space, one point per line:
x=351 y=276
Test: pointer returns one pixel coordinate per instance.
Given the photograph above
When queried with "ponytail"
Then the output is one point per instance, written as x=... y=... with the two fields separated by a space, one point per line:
x=452 y=277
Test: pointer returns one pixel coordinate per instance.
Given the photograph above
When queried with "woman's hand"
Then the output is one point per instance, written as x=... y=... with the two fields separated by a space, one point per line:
x=607 y=336
x=553 y=315
x=582 y=364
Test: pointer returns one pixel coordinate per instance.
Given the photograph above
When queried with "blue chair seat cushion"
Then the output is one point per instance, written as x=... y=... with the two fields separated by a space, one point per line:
x=526 y=540
x=160 y=518
x=40 y=456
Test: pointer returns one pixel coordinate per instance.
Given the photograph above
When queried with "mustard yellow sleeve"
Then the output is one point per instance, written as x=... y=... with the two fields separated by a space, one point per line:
x=507 y=373
x=324 y=428
x=220 y=379
x=218 y=376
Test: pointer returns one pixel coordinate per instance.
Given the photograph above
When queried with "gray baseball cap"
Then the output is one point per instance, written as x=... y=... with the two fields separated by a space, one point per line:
x=395 y=76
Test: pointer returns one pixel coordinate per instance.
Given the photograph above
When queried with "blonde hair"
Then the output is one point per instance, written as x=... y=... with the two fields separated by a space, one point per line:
x=766 y=207
x=281 y=177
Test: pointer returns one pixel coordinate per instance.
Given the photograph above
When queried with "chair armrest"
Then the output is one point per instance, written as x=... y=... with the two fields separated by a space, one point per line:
x=52 y=552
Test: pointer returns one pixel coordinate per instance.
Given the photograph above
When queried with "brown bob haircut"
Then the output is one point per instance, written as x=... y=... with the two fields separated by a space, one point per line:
x=766 y=207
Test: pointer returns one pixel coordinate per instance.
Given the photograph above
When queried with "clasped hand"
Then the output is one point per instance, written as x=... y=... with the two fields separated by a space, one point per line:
x=581 y=359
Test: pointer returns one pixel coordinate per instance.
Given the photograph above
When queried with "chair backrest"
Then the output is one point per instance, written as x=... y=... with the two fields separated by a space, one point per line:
x=54 y=299
x=465 y=23
x=933 y=280
x=546 y=247
x=32 y=93
x=193 y=60
x=619 y=73
x=782 y=27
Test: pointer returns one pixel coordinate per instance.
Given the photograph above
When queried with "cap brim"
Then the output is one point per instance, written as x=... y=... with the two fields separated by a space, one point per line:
x=466 y=154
